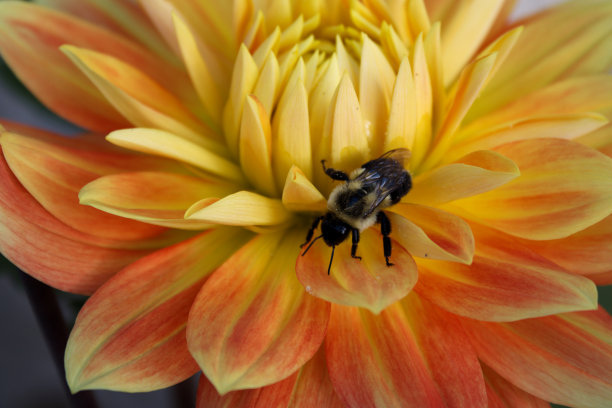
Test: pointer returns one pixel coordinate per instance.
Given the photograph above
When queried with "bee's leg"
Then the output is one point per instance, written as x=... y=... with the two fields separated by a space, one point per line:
x=385 y=230
x=333 y=173
x=355 y=242
x=311 y=231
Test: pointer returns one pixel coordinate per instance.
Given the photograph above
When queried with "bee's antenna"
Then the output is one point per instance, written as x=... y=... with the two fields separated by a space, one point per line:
x=331 y=259
x=311 y=242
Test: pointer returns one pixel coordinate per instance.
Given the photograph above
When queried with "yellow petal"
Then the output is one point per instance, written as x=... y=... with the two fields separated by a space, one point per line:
x=200 y=73
x=243 y=80
x=267 y=86
x=292 y=133
x=256 y=147
x=243 y=208
x=401 y=128
x=344 y=133
x=165 y=144
x=376 y=79
x=424 y=93
x=464 y=32
x=320 y=99
x=300 y=194
x=469 y=85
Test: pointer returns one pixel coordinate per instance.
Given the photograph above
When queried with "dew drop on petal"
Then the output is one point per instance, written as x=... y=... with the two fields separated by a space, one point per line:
x=368 y=127
x=309 y=289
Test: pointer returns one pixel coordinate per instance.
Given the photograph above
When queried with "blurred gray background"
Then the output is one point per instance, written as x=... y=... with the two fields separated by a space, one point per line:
x=28 y=378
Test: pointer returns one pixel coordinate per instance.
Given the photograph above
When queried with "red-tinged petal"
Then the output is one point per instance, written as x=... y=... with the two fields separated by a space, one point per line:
x=368 y=282
x=502 y=394
x=564 y=188
x=584 y=253
x=130 y=335
x=157 y=198
x=553 y=357
x=118 y=16
x=53 y=171
x=432 y=233
x=29 y=38
x=375 y=360
x=506 y=281
x=252 y=324
x=449 y=355
x=49 y=250
x=310 y=387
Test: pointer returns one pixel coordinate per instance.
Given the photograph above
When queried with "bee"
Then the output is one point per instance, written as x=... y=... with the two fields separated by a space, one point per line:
x=357 y=204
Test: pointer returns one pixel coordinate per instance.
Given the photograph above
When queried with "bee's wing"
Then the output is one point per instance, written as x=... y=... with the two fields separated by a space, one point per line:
x=400 y=155
x=382 y=191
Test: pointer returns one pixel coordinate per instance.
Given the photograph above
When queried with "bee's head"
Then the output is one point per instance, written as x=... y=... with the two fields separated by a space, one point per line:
x=334 y=230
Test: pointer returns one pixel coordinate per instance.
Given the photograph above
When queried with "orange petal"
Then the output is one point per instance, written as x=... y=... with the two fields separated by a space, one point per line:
x=130 y=335
x=586 y=252
x=473 y=174
x=564 y=188
x=45 y=248
x=554 y=358
x=565 y=41
x=431 y=233
x=451 y=359
x=573 y=95
x=368 y=282
x=157 y=198
x=252 y=324
x=375 y=361
x=503 y=394
x=309 y=387
x=117 y=16
x=29 y=39
x=138 y=96
x=53 y=170
x=506 y=281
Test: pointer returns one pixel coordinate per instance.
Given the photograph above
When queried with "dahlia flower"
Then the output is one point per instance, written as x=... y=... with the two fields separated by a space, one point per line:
x=182 y=208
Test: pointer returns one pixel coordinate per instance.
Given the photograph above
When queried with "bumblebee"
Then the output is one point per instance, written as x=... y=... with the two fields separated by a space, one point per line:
x=357 y=204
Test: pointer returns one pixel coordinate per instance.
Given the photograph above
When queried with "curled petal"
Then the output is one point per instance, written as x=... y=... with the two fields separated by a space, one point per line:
x=431 y=233
x=563 y=359
x=252 y=324
x=375 y=360
x=243 y=208
x=473 y=174
x=367 y=283
x=157 y=198
x=130 y=335
x=300 y=194
x=564 y=188
x=506 y=281
x=205 y=156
